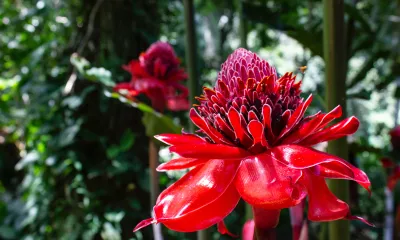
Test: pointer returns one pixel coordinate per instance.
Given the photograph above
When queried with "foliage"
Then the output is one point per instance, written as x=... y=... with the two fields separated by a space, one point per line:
x=73 y=158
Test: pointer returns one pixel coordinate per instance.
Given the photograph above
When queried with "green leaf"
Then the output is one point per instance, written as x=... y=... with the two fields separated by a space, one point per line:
x=157 y=123
x=127 y=140
x=113 y=151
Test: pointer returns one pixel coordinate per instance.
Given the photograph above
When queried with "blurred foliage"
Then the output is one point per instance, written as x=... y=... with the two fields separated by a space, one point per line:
x=73 y=158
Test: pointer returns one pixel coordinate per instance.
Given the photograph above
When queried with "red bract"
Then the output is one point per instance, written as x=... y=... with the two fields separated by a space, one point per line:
x=157 y=75
x=394 y=172
x=395 y=137
x=255 y=144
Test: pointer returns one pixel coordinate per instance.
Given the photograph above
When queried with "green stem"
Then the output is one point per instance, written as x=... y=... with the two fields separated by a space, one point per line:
x=191 y=64
x=243 y=44
x=335 y=74
x=242 y=26
x=190 y=52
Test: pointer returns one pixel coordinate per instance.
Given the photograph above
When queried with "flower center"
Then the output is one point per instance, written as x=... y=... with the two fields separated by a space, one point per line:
x=249 y=86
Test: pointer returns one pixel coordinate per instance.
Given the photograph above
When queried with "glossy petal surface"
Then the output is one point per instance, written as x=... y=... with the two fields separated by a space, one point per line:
x=322 y=203
x=266 y=183
x=319 y=163
x=200 y=199
x=346 y=127
x=208 y=150
x=180 y=163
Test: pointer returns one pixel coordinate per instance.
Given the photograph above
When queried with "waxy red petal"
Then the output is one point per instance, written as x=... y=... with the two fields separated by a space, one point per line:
x=256 y=130
x=144 y=223
x=210 y=151
x=346 y=127
x=200 y=199
x=206 y=128
x=296 y=116
x=266 y=114
x=268 y=184
x=322 y=203
x=179 y=139
x=312 y=125
x=393 y=178
x=224 y=230
x=238 y=125
x=180 y=163
x=319 y=163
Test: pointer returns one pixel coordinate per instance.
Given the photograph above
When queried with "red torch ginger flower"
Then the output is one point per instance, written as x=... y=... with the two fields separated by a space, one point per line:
x=255 y=144
x=157 y=75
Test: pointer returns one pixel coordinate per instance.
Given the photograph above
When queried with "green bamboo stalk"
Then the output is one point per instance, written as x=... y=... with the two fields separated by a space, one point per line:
x=335 y=76
x=243 y=31
x=190 y=52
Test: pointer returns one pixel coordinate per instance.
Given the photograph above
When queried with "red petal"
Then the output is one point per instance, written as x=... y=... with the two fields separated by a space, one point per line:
x=209 y=151
x=268 y=184
x=200 y=199
x=206 y=128
x=224 y=126
x=239 y=127
x=248 y=230
x=266 y=114
x=309 y=127
x=180 y=163
x=256 y=130
x=178 y=103
x=387 y=162
x=320 y=163
x=360 y=219
x=296 y=116
x=393 y=178
x=179 y=139
x=223 y=230
x=322 y=203
x=144 y=223
x=346 y=127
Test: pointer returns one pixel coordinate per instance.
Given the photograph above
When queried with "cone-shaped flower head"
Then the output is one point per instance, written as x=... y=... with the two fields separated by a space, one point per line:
x=157 y=74
x=254 y=143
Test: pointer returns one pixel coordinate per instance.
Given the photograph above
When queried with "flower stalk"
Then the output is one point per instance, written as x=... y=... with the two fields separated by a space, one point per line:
x=265 y=222
x=154 y=183
x=335 y=75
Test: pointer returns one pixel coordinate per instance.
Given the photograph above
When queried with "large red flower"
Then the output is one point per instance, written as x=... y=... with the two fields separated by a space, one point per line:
x=157 y=75
x=255 y=144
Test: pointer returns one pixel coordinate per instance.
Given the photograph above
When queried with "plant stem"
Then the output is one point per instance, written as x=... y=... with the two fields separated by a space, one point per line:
x=335 y=74
x=190 y=52
x=154 y=184
x=191 y=64
x=153 y=162
x=242 y=26
x=265 y=222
